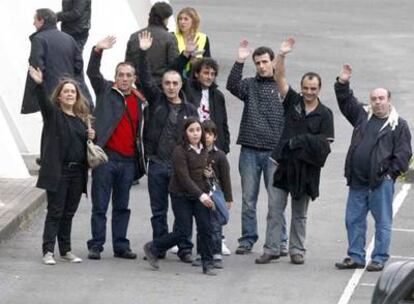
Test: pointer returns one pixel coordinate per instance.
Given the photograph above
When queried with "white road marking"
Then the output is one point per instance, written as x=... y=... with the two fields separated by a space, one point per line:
x=367 y=284
x=399 y=257
x=356 y=277
x=402 y=230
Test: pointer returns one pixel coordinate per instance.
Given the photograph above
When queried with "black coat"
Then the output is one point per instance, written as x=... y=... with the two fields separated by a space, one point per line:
x=217 y=107
x=57 y=54
x=392 y=151
x=158 y=107
x=75 y=16
x=162 y=53
x=303 y=148
x=55 y=141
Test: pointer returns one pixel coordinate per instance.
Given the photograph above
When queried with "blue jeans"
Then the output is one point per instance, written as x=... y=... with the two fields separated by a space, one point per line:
x=276 y=220
x=379 y=202
x=252 y=163
x=158 y=179
x=159 y=176
x=114 y=177
x=184 y=209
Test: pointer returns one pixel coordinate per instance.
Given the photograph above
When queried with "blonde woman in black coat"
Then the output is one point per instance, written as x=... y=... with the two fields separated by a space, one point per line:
x=63 y=173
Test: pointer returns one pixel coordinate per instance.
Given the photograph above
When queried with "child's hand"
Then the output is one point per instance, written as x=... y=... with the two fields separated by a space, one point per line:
x=208 y=172
x=229 y=204
x=206 y=200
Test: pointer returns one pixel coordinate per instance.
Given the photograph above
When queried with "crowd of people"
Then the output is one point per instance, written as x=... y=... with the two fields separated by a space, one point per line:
x=165 y=109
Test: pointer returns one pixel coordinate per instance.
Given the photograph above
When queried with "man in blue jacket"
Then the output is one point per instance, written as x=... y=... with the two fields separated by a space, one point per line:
x=380 y=151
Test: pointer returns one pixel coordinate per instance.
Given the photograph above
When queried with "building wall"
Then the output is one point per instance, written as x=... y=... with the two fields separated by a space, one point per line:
x=20 y=134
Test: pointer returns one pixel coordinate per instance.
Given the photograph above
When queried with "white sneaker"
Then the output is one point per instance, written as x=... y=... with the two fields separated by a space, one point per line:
x=224 y=249
x=174 y=250
x=70 y=257
x=48 y=259
x=217 y=257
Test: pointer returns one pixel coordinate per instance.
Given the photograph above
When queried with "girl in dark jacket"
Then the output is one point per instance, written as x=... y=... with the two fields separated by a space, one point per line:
x=63 y=173
x=189 y=197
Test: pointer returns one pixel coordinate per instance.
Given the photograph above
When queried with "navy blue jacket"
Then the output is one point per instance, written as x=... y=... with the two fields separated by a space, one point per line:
x=392 y=151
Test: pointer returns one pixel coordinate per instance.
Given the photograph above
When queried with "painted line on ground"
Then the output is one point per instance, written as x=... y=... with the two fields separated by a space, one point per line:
x=356 y=277
x=367 y=284
x=400 y=257
x=402 y=230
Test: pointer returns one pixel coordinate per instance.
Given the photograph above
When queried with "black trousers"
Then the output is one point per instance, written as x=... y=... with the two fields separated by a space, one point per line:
x=184 y=209
x=61 y=207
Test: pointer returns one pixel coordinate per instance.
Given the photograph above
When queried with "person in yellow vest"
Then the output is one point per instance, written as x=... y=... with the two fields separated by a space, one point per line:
x=188 y=25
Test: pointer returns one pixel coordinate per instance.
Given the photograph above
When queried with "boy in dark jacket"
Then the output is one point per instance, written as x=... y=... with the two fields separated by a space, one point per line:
x=219 y=169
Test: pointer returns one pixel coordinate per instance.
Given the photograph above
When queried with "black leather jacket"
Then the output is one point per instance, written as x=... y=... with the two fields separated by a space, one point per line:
x=75 y=16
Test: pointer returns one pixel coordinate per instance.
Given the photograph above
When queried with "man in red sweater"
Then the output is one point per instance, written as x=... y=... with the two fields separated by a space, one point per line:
x=119 y=120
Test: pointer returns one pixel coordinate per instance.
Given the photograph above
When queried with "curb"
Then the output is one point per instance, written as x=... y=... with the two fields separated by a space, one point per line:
x=17 y=217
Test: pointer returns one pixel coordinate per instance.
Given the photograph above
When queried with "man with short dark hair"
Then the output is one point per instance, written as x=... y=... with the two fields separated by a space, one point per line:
x=164 y=49
x=300 y=155
x=202 y=91
x=56 y=54
x=168 y=108
x=260 y=129
x=380 y=151
x=76 y=19
x=118 y=124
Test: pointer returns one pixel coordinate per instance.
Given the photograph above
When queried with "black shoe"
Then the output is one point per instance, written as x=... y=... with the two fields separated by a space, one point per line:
x=151 y=258
x=243 y=249
x=94 y=254
x=128 y=254
x=209 y=271
x=197 y=262
x=266 y=258
x=375 y=266
x=218 y=264
x=297 y=259
x=348 y=263
x=186 y=258
x=161 y=256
